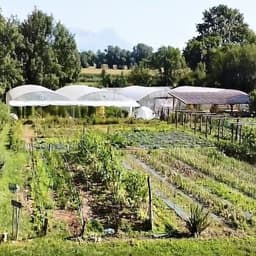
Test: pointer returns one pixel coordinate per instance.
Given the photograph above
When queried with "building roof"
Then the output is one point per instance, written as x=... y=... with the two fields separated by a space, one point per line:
x=205 y=95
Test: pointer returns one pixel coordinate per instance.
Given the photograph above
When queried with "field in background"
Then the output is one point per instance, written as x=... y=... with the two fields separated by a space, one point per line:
x=97 y=71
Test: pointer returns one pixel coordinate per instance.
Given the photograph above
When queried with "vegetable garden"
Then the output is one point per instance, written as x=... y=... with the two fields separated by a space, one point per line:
x=87 y=183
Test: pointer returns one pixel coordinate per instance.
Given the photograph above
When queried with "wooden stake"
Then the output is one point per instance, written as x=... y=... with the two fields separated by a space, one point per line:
x=237 y=128
x=150 y=205
x=195 y=120
x=232 y=132
x=222 y=129
x=200 y=127
x=240 y=134
x=210 y=124
x=206 y=127
x=176 y=119
x=218 y=129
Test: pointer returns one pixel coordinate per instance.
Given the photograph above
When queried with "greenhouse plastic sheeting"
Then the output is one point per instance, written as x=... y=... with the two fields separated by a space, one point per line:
x=34 y=95
x=73 y=92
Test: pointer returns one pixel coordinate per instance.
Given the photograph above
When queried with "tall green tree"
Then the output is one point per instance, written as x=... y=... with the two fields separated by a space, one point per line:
x=221 y=26
x=198 y=50
x=10 y=67
x=234 y=67
x=253 y=101
x=228 y=23
x=117 y=56
x=141 y=51
x=168 y=60
x=49 y=55
x=140 y=76
x=65 y=49
x=87 y=58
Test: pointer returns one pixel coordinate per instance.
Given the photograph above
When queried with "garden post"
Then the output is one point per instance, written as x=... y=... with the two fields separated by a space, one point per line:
x=206 y=126
x=150 y=202
x=237 y=128
x=218 y=129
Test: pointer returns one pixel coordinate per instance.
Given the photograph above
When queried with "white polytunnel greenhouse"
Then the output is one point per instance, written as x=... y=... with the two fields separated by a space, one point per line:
x=34 y=95
x=71 y=95
x=82 y=95
x=154 y=98
x=107 y=98
x=75 y=91
x=161 y=100
x=138 y=93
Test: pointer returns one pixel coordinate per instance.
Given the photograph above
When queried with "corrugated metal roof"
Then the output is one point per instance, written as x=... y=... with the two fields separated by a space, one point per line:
x=219 y=96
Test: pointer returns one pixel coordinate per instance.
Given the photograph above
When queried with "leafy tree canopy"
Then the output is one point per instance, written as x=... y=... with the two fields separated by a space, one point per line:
x=221 y=26
x=10 y=67
x=168 y=60
x=227 y=23
x=141 y=51
x=49 y=53
x=253 y=101
x=234 y=67
x=141 y=76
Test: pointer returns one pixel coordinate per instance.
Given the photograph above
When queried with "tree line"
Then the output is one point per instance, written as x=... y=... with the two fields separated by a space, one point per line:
x=40 y=50
x=222 y=54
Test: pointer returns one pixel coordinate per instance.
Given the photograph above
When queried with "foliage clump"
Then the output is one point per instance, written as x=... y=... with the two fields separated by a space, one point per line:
x=198 y=220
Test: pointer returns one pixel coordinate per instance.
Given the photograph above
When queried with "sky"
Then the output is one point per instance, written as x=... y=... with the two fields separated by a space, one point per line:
x=99 y=23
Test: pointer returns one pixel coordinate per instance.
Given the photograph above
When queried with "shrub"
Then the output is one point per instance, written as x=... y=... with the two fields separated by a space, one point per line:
x=246 y=150
x=94 y=226
x=253 y=101
x=4 y=115
x=198 y=220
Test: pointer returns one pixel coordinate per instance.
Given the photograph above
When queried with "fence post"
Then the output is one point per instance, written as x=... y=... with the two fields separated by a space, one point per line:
x=218 y=129
x=206 y=126
x=237 y=128
x=150 y=204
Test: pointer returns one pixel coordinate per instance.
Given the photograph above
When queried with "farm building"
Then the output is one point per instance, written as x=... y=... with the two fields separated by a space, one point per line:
x=158 y=99
x=205 y=98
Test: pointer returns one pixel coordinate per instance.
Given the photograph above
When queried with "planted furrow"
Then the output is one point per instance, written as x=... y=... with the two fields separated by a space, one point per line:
x=220 y=189
x=233 y=215
x=178 y=210
x=163 y=180
x=231 y=175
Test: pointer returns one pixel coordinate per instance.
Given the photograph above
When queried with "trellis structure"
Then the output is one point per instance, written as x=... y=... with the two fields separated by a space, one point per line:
x=201 y=121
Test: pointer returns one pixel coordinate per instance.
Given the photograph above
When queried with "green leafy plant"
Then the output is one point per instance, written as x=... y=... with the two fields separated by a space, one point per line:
x=198 y=220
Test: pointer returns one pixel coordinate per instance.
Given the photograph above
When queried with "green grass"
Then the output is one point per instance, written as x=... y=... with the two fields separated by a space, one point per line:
x=182 y=247
x=12 y=172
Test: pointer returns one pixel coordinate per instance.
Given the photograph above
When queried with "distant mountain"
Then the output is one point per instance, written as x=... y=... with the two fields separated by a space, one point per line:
x=88 y=40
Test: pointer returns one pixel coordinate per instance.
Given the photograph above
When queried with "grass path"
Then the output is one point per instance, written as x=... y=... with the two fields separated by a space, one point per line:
x=173 y=247
x=13 y=171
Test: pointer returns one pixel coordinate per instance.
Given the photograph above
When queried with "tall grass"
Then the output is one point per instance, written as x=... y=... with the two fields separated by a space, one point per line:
x=13 y=171
x=58 y=247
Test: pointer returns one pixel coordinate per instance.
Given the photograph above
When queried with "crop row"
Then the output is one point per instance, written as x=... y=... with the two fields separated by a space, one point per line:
x=180 y=200
x=234 y=173
x=205 y=191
